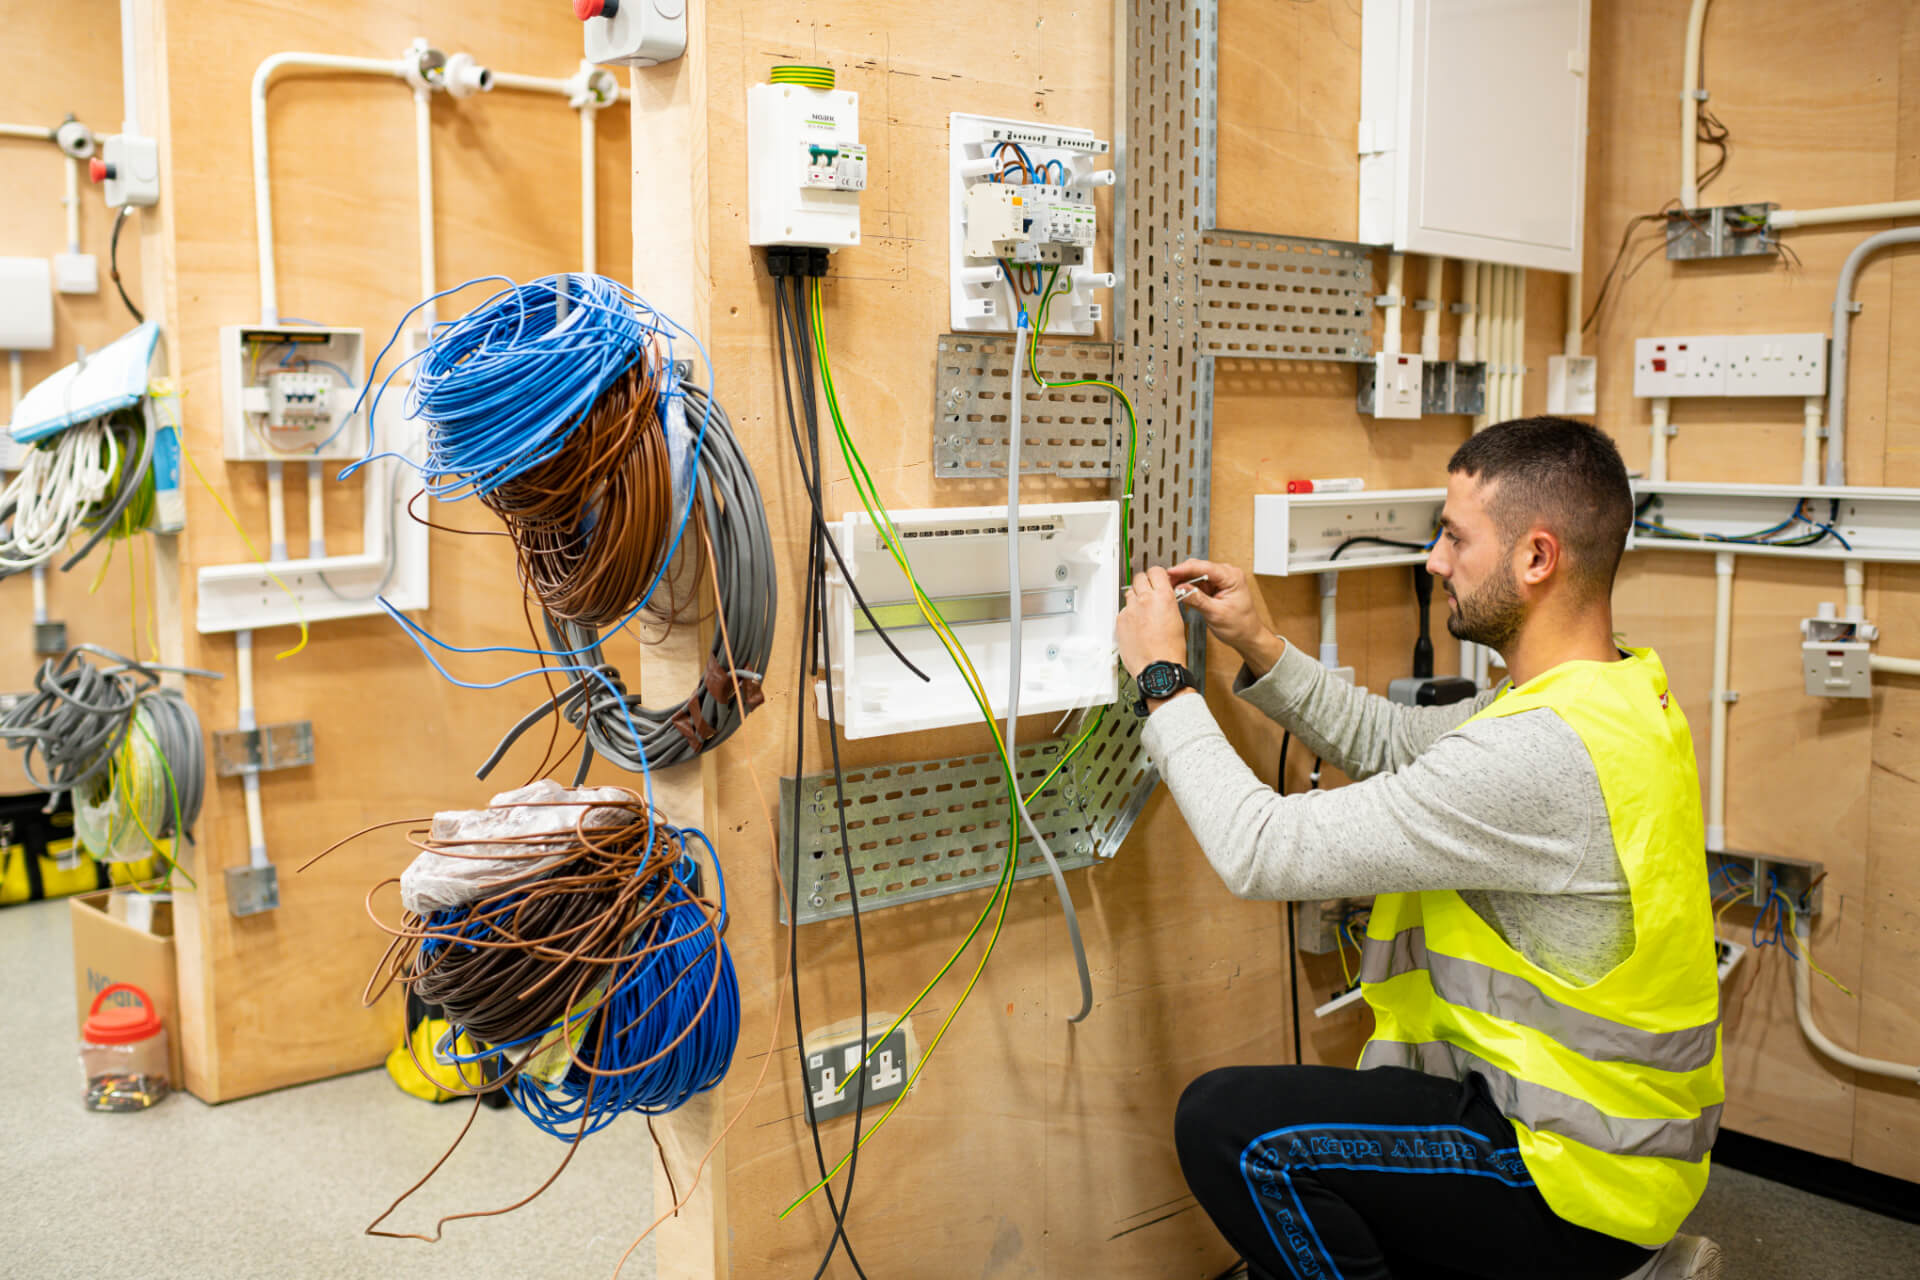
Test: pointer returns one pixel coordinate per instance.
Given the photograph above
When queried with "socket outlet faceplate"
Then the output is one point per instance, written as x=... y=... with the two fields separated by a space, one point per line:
x=832 y=1058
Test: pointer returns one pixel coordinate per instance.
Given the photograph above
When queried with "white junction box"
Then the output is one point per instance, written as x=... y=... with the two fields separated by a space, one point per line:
x=1836 y=653
x=1021 y=192
x=26 y=304
x=633 y=33
x=287 y=392
x=1397 y=383
x=1573 y=384
x=805 y=166
x=1069 y=592
x=1328 y=532
x=76 y=273
x=1751 y=364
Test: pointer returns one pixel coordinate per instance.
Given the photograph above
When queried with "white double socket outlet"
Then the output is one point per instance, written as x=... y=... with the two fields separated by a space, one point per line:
x=1759 y=364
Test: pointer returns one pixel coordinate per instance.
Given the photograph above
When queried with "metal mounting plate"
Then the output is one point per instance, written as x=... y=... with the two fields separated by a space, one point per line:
x=927 y=828
x=1285 y=297
x=1069 y=432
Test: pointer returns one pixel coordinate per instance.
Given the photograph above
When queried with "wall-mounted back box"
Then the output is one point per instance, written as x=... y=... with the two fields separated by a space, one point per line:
x=1473 y=129
x=1069 y=587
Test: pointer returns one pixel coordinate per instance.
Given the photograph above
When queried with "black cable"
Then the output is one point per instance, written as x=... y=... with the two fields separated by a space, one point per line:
x=113 y=263
x=1370 y=541
x=788 y=324
x=1423 y=644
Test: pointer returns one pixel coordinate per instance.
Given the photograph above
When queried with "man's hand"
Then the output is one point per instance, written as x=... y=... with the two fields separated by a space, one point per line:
x=1150 y=629
x=1234 y=610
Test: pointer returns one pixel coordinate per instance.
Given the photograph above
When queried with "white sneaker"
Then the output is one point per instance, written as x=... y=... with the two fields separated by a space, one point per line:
x=1683 y=1258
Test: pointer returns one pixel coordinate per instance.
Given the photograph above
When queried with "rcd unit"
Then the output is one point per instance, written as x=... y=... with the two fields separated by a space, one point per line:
x=805 y=165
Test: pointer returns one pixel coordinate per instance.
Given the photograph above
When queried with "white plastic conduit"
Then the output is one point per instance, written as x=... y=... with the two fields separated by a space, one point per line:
x=73 y=205
x=316 y=510
x=1842 y=328
x=1781 y=219
x=1572 y=347
x=37 y=132
x=1690 y=108
x=1717 y=712
x=276 y=510
x=1516 y=395
x=1469 y=349
x=1657 y=457
x=1329 y=617
x=1430 y=320
x=1810 y=440
x=1396 y=294
x=1803 y=1008
x=256 y=821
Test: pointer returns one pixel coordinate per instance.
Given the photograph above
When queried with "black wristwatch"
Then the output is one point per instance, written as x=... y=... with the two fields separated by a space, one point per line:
x=1158 y=680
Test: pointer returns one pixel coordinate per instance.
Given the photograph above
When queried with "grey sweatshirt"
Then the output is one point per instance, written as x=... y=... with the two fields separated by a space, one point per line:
x=1507 y=811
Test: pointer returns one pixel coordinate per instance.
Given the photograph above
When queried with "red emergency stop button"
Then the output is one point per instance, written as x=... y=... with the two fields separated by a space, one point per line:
x=99 y=170
x=584 y=9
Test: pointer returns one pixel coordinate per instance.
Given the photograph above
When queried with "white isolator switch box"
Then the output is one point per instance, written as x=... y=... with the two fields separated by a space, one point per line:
x=1397 y=383
x=633 y=33
x=1573 y=384
x=1836 y=654
x=26 y=305
x=128 y=170
x=76 y=273
x=805 y=166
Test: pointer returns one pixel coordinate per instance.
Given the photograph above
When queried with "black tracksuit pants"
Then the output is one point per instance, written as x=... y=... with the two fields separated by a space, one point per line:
x=1325 y=1173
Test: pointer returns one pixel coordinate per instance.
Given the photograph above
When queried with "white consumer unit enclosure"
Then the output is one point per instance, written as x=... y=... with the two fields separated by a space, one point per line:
x=805 y=166
x=1069 y=591
x=288 y=390
x=1473 y=129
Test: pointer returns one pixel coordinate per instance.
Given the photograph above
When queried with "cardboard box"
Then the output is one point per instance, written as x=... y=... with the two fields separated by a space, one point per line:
x=108 y=947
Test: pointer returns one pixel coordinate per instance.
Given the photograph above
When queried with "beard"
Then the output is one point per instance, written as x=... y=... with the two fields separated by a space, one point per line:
x=1491 y=615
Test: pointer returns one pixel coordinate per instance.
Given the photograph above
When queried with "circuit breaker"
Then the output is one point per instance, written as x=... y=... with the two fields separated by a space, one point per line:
x=287 y=392
x=1024 y=223
x=806 y=166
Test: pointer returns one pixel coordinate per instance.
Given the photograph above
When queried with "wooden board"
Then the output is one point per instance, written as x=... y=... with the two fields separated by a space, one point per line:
x=77 y=72
x=280 y=992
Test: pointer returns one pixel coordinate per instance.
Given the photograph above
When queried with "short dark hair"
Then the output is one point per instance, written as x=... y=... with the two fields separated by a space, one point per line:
x=1562 y=474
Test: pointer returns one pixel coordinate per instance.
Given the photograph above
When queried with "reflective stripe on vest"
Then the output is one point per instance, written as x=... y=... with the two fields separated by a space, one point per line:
x=1510 y=996
x=1614 y=1087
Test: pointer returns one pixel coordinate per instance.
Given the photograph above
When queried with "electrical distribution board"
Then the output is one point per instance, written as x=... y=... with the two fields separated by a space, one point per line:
x=1023 y=220
x=287 y=392
x=805 y=166
x=1069 y=597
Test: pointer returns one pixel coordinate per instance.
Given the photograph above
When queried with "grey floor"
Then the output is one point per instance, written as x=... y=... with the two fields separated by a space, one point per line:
x=280 y=1185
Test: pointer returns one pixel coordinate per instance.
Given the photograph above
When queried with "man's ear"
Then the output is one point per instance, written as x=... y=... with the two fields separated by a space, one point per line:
x=1537 y=556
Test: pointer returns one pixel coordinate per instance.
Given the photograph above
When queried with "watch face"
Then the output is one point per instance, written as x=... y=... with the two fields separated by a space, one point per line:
x=1160 y=680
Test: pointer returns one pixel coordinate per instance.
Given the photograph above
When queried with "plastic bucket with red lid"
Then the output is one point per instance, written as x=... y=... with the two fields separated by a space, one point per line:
x=123 y=1052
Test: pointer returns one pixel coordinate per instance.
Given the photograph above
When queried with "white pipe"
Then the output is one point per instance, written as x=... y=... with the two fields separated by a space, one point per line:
x=1803 y=1009
x=129 y=72
x=276 y=511
x=1843 y=307
x=1517 y=402
x=1657 y=459
x=1717 y=744
x=34 y=131
x=1856 y=578
x=1895 y=666
x=1396 y=297
x=1504 y=324
x=73 y=205
x=589 y=197
x=533 y=84
x=16 y=369
x=1430 y=322
x=256 y=820
x=262 y=195
x=39 y=593
x=316 y=510
x=1781 y=219
x=423 y=156
x=1329 y=633
x=1690 y=109
x=1810 y=441
x=1573 y=313
x=1469 y=347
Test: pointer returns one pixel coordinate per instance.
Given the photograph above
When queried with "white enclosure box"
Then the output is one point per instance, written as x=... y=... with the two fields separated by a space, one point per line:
x=638 y=33
x=76 y=273
x=1398 y=382
x=1329 y=532
x=805 y=166
x=1573 y=384
x=1069 y=589
x=288 y=389
x=1039 y=216
x=26 y=304
x=1473 y=129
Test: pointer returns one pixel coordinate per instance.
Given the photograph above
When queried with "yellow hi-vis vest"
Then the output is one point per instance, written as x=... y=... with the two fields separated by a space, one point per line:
x=1614 y=1089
